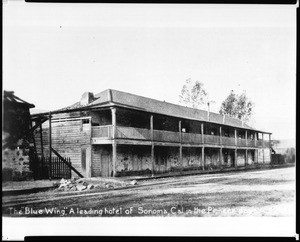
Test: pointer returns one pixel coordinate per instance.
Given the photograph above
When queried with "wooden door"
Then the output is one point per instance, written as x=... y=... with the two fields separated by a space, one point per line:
x=105 y=165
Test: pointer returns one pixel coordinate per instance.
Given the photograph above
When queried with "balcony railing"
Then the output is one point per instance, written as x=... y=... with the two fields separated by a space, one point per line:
x=166 y=136
x=241 y=142
x=259 y=143
x=266 y=143
x=250 y=143
x=228 y=141
x=212 y=139
x=191 y=138
x=105 y=132
x=133 y=133
x=102 y=131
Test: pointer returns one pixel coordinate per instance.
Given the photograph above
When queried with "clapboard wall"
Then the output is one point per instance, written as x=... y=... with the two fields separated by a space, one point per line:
x=70 y=134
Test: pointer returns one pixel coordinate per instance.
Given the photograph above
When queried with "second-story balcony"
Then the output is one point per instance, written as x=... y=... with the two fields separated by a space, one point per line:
x=133 y=133
x=106 y=132
x=103 y=132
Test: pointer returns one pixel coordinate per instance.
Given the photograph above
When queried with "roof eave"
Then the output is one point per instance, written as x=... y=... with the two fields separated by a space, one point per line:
x=116 y=104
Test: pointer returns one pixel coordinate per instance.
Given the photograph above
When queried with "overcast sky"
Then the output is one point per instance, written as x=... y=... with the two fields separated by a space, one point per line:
x=53 y=53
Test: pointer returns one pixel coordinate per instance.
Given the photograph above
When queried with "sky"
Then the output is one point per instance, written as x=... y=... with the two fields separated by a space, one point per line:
x=54 y=52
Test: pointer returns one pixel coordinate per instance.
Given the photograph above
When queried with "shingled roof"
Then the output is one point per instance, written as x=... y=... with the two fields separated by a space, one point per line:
x=10 y=97
x=112 y=97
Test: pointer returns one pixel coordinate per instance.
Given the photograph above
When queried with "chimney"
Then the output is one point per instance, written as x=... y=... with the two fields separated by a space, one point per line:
x=86 y=98
x=109 y=95
x=223 y=118
x=208 y=111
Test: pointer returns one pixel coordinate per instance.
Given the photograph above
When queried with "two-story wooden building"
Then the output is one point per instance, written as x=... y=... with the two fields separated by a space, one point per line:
x=114 y=133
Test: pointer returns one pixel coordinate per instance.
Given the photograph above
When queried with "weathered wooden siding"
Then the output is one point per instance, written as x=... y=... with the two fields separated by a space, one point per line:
x=260 y=156
x=267 y=156
x=97 y=151
x=264 y=156
x=68 y=138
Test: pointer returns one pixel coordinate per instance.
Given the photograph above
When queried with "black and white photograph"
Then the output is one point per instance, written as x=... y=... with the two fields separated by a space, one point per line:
x=148 y=119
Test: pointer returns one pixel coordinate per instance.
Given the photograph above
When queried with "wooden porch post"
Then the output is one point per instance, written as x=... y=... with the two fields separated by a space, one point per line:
x=41 y=137
x=246 y=137
x=263 y=147
x=50 y=147
x=246 y=157
x=235 y=137
x=180 y=157
x=221 y=156
x=152 y=144
x=152 y=158
x=235 y=150
x=235 y=157
x=180 y=147
x=220 y=135
x=202 y=153
x=270 y=147
x=114 y=144
x=203 y=158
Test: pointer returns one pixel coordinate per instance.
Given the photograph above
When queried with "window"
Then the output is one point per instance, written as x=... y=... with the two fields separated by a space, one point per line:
x=85 y=121
x=85 y=125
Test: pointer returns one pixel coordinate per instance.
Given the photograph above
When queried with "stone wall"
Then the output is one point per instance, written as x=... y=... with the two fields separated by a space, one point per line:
x=136 y=159
x=228 y=158
x=15 y=165
x=241 y=157
x=250 y=160
x=212 y=158
x=191 y=157
x=133 y=158
x=166 y=159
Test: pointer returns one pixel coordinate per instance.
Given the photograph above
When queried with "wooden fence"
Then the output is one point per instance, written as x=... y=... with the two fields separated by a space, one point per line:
x=277 y=159
x=44 y=168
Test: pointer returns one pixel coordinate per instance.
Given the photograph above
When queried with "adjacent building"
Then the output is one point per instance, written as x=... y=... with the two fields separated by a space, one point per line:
x=114 y=133
x=16 y=137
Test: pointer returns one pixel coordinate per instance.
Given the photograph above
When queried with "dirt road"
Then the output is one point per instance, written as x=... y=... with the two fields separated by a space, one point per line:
x=248 y=193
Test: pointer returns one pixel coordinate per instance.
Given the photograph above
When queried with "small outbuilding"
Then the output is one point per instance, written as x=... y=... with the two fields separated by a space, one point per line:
x=16 y=137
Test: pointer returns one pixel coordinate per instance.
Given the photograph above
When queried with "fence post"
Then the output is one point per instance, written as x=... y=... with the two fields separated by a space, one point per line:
x=50 y=167
x=61 y=168
x=70 y=172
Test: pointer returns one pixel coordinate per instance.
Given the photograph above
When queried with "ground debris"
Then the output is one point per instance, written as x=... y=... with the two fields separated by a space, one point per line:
x=133 y=182
x=87 y=184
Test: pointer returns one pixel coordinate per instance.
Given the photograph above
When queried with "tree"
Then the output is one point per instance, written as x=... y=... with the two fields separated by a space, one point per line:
x=237 y=106
x=193 y=94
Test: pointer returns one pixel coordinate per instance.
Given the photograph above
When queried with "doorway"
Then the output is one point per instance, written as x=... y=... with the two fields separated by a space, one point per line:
x=105 y=164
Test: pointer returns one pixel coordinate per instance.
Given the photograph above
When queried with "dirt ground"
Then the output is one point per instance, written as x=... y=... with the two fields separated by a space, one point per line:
x=248 y=193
